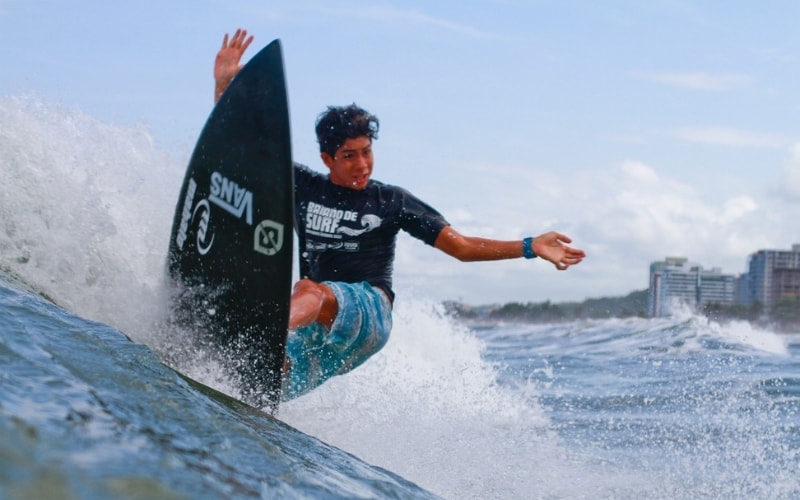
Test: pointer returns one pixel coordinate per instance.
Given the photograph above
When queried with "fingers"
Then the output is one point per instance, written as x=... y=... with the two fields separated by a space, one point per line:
x=236 y=41
x=239 y=40
x=563 y=237
x=247 y=42
x=565 y=264
x=553 y=247
x=570 y=258
x=574 y=253
x=562 y=266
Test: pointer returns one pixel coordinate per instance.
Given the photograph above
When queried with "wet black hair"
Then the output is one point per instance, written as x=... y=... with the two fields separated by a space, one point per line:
x=338 y=123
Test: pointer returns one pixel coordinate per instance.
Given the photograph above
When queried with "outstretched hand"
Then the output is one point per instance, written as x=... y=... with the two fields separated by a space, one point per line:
x=226 y=65
x=553 y=247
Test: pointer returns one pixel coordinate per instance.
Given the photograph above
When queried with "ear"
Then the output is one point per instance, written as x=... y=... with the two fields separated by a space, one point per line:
x=326 y=159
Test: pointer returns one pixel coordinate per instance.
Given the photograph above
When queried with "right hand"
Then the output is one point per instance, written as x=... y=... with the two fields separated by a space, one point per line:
x=227 y=64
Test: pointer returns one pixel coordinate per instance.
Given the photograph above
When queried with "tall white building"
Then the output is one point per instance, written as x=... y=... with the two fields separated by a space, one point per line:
x=676 y=281
x=772 y=275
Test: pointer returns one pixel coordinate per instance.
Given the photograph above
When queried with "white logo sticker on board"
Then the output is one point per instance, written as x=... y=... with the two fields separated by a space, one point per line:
x=186 y=213
x=231 y=197
x=204 y=239
x=268 y=238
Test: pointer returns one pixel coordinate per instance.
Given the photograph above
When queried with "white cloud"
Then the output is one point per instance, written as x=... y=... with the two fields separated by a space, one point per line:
x=737 y=207
x=639 y=171
x=625 y=217
x=698 y=80
x=727 y=136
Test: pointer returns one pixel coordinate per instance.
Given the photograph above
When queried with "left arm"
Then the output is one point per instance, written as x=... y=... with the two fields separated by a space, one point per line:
x=551 y=246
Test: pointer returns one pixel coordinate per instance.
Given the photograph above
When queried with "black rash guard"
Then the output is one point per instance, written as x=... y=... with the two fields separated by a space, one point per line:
x=349 y=235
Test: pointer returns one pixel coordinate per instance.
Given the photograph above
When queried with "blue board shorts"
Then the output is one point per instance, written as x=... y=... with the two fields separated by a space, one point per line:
x=360 y=330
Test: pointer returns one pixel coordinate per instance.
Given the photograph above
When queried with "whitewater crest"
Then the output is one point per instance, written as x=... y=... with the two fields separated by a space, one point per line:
x=86 y=210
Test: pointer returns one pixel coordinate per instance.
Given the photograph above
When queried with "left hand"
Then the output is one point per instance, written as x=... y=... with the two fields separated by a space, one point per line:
x=553 y=247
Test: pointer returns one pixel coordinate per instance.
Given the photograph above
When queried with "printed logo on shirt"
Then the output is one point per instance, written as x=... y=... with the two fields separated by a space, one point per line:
x=368 y=223
x=320 y=246
x=332 y=222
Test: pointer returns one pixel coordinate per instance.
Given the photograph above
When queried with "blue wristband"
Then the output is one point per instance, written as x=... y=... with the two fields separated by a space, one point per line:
x=527 y=248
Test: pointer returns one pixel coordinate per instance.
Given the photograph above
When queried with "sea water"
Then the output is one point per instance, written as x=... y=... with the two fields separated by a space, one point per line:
x=679 y=407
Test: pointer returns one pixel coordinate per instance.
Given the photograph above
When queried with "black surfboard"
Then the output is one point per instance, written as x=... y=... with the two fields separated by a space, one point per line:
x=230 y=249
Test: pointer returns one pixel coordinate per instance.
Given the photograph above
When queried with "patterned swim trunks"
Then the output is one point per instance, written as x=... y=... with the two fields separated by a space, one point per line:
x=361 y=329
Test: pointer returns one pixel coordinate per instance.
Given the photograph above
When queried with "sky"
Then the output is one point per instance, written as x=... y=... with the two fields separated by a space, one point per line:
x=640 y=129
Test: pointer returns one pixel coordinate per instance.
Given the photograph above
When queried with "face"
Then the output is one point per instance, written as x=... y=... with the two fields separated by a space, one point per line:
x=352 y=165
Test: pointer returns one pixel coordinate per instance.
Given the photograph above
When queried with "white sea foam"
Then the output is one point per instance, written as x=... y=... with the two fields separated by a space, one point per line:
x=85 y=213
x=428 y=407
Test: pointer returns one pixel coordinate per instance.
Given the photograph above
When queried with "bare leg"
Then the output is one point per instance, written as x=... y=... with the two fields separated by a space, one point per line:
x=312 y=302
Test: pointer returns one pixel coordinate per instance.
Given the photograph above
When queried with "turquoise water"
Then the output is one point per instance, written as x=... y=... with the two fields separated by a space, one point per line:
x=87 y=413
x=678 y=407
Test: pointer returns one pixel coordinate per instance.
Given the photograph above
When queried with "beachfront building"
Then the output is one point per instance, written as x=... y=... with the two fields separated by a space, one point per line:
x=676 y=282
x=772 y=275
x=672 y=282
x=716 y=288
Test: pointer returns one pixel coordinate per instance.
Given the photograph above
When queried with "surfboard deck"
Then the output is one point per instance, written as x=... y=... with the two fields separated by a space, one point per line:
x=230 y=248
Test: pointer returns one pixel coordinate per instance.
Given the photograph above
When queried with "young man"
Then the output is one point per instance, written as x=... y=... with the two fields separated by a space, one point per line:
x=341 y=309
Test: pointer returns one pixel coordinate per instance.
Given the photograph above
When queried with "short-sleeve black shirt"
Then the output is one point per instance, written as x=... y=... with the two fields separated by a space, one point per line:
x=349 y=235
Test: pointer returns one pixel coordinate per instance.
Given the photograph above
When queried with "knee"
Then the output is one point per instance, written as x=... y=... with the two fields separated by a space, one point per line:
x=308 y=292
x=320 y=290
x=307 y=286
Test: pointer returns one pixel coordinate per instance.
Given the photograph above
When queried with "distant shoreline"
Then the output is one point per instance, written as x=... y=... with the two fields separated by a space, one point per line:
x=633 y=305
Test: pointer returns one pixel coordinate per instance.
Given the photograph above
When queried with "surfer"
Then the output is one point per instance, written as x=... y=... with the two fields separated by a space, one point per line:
x=346 y=222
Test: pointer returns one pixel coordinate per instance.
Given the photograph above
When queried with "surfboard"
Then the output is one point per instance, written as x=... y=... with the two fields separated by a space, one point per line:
x=230 y=248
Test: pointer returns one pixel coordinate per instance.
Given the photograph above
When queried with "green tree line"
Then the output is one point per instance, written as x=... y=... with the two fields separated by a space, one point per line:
x=784 y=313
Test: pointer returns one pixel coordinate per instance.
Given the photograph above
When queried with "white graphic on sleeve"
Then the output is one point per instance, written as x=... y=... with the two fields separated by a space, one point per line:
x=231 y=197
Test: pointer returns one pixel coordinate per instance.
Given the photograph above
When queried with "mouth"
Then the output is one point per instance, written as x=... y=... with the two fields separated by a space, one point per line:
x=360 y=180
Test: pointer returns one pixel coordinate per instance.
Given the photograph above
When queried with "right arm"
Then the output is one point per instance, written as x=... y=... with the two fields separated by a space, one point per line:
x=226 y=65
